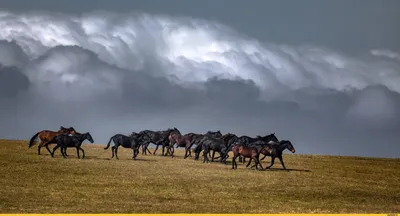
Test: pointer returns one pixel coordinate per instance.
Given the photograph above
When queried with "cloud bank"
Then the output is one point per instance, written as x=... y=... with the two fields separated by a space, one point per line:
x=109 y=73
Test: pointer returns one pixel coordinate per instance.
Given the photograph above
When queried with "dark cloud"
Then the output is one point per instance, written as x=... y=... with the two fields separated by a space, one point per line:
x=11 y=54
x=12 y=81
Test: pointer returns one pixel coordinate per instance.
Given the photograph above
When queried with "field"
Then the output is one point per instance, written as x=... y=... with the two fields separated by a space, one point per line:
x=155 y=184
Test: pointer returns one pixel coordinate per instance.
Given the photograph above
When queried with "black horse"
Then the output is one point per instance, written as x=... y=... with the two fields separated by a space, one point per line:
x=222 y=145
x=275 y=150
x=210 y=143
x=199 y=142
x=64 y=141
x=229 y=140
x=133 y=141
x=158 y=138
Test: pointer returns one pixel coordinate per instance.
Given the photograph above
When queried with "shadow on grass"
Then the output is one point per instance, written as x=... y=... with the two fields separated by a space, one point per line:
x=128 y=159
x=286 y=170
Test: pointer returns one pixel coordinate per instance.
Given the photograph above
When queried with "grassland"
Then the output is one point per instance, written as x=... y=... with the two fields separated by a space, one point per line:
x=155 y=184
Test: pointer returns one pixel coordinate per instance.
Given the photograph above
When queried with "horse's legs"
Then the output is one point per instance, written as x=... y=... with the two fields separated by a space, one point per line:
x=116 y=152
x=156 y=150
x=144 y=152
x=54 y=149
x=77 y=152
x=47 y=147
x=234 y=162
x=249 y=162
x=63 y=150
x=171 y=150
x=190 y=151
x=112 y=151
x=264 y=157
x=147 y=149
x=213 y=155
x=186 y=153
x=39 y=147
x=281 y=159
x=272 y=162
x=170 y=147
x=206 y=152
x=83 y=152
x=256 y=161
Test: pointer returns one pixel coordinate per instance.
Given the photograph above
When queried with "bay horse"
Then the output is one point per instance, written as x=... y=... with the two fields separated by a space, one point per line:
x=47 y=137
x=133 y=142
x=245 y=151
x=66 y=141
x=186 y=141
x=245 y=140
x=158 y=138
x=275 y=150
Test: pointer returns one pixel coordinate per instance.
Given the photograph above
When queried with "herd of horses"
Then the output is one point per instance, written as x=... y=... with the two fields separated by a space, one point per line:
x=213 y=141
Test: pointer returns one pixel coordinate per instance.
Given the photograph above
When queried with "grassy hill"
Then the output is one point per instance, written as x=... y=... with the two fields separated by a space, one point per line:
x=155 y=184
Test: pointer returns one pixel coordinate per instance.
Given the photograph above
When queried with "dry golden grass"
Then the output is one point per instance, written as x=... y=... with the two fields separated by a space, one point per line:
x=155 y=184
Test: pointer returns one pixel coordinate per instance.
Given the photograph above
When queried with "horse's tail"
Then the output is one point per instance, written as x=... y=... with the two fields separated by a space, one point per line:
x=31 y=142
x=109 y=142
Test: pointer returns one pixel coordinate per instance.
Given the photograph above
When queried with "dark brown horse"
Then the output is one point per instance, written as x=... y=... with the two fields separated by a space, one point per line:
x=47 y=137
x=245 y=151
x=175 y=137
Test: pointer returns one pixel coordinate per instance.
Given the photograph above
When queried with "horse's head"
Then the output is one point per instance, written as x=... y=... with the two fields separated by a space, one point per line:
x=63 y=130
x=72 y=130
x=88 y=137
x=272 y=137
x=175 y=130
x=215 y=134
x=288 y=145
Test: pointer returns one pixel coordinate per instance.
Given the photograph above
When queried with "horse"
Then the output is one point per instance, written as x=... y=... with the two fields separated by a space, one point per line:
x=47 y=137
x=245 y=151
x=220 y=145
x=198 y=142
x=211 y=143
x=158 y=138
x=229 y=139
x=185 y=141
x=142 y=142
x=132 y=142
x=275 y=150
x=216 y=134
x=245 y=140
x=64 y=141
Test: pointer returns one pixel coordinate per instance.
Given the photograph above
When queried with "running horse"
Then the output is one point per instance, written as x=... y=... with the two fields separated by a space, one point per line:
x=48 y=137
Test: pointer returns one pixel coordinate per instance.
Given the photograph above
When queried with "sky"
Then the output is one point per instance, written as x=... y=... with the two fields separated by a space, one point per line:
x=323 y=74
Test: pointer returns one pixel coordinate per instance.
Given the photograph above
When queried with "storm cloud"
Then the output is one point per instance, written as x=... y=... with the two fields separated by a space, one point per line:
x=109 y=73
